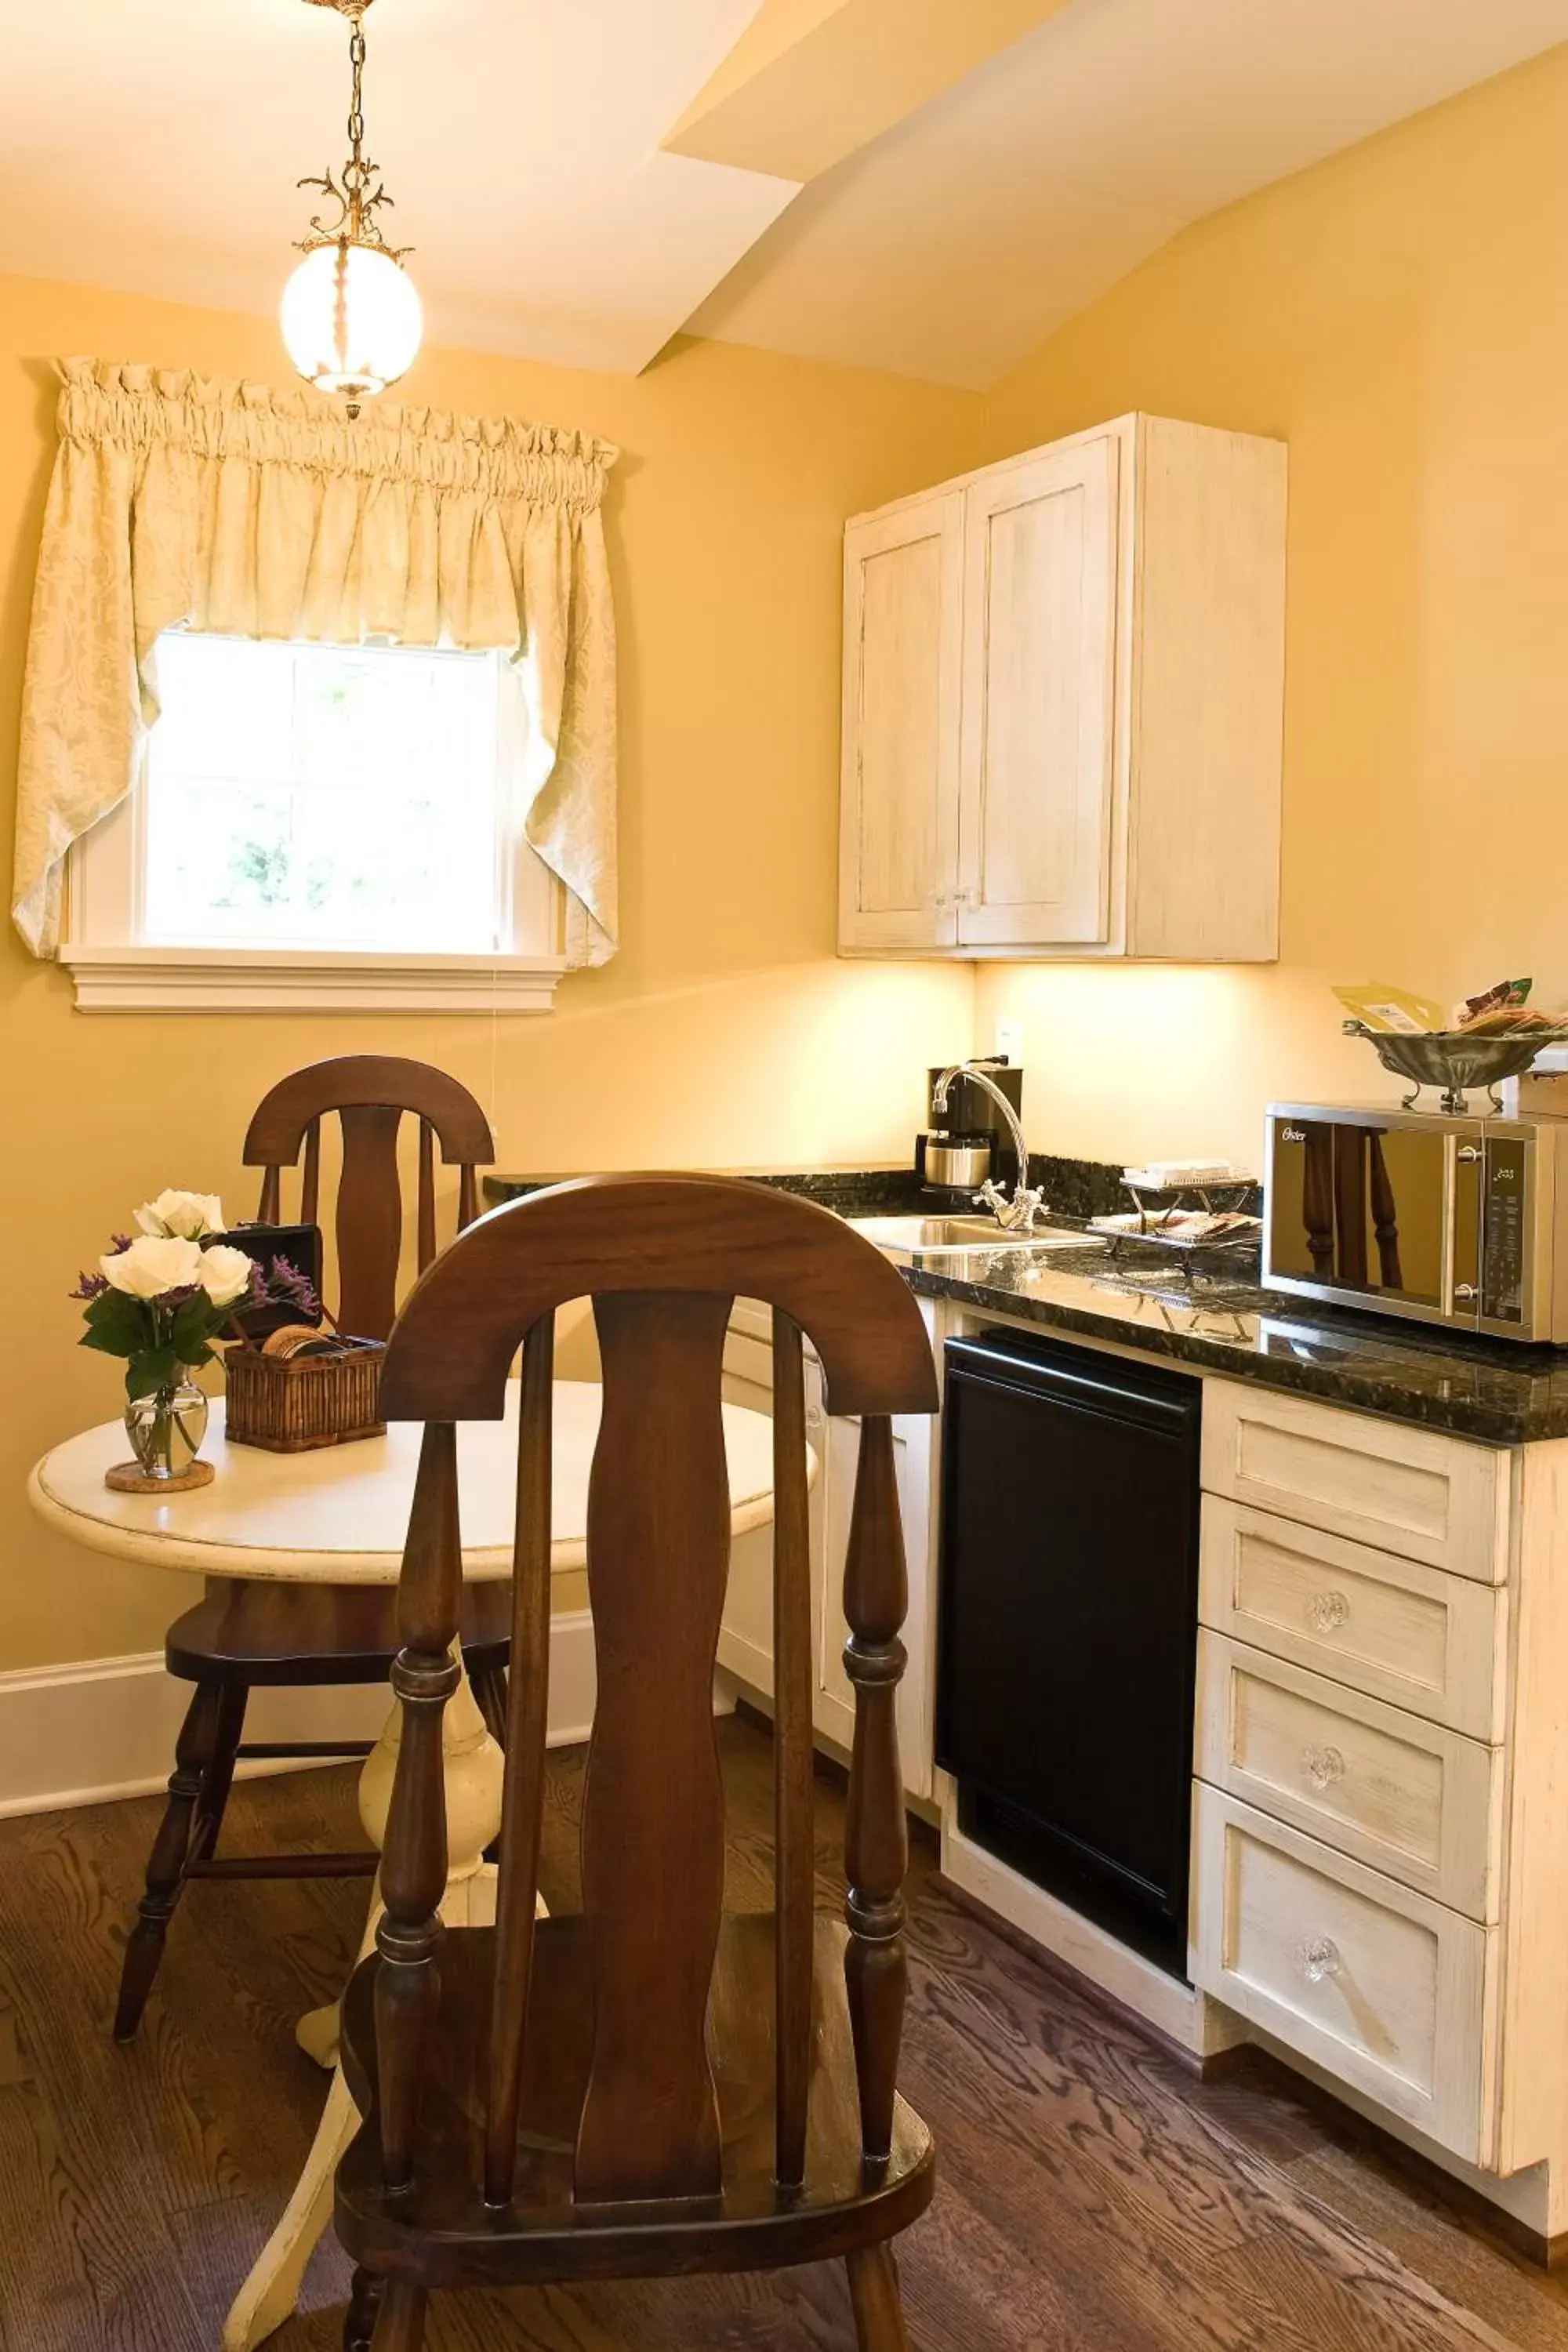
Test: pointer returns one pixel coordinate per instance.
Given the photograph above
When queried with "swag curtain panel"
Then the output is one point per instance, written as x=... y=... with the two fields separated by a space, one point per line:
x=225 y=508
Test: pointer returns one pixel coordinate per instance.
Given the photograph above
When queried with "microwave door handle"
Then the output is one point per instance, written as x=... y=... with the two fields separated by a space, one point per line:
x=1462 y=1298
x=1451 y=1225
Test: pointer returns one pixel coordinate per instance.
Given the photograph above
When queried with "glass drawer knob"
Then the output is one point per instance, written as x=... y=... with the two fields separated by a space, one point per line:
x=1323 y=1766
x=1328 y=1612
x=1320 y=1959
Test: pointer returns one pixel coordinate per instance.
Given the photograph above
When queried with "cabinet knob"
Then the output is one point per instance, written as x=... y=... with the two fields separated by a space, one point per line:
x=1322 y=1766
x=1327 y=1612
x=1319 y=1960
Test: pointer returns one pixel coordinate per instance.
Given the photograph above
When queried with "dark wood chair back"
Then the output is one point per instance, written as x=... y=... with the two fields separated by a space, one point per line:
x=662 y=1258
x=370 y=1094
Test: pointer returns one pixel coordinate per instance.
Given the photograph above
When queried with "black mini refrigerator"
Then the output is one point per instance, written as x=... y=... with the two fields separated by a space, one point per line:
x=1068 y=1626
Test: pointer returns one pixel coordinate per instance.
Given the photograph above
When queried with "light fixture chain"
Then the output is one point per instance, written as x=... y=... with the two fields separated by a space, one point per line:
x=356 y=103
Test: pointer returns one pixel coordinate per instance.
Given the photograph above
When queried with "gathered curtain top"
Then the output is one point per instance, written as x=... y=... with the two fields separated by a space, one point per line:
x=182 y=502
x=133 y=406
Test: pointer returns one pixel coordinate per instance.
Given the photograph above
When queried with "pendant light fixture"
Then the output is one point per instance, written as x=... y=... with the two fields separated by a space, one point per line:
x=350 y=315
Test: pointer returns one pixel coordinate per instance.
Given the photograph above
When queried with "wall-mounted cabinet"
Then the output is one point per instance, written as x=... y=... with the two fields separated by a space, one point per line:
x=1063 y=690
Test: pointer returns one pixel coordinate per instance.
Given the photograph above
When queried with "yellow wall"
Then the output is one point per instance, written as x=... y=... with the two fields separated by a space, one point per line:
x=1399 y=315
x=724 y=1035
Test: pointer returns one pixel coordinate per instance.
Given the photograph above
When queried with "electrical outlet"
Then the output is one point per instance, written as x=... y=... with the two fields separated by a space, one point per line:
x=1010 y=1040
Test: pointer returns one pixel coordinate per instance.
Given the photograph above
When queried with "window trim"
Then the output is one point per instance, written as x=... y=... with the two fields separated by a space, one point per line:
x=306 y=980
x=114 y=970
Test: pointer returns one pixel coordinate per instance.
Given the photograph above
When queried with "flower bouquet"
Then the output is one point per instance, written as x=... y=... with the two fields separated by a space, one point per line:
x=159 y=1299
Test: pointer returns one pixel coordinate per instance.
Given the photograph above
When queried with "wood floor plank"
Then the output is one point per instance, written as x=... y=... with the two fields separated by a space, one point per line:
x=1093 y=2196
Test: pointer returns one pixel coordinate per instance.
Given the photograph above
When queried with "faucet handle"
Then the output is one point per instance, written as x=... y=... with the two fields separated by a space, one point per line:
x=1026 y=1205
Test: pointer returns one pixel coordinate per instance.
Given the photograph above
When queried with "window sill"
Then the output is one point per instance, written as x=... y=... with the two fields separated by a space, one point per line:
x=303 y=980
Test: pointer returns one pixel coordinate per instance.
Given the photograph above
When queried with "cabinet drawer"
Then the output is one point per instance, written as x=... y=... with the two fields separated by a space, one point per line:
x=1382 y=1988
x=1415 y=1636
x=1410 y=1491
x=1410 y=1798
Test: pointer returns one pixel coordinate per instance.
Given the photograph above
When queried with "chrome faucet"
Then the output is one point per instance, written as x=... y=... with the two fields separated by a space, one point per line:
x=1016 y=1215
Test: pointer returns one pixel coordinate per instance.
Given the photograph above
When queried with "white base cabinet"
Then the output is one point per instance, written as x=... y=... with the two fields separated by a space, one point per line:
x=1063 y=700
x=1380 y=1804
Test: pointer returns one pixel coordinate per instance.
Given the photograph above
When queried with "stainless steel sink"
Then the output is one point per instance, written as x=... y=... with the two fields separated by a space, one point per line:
x=934 y=1235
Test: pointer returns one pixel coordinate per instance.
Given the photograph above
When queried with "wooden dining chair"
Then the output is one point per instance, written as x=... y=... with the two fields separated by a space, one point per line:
x=654 y=2087
x=248 y=1633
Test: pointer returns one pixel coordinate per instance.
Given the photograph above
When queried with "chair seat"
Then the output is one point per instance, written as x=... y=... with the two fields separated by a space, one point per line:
x=259 y=1632
x=543 y=2236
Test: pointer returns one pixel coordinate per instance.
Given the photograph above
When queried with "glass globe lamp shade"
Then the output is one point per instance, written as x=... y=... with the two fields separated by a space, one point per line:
x=352 y=319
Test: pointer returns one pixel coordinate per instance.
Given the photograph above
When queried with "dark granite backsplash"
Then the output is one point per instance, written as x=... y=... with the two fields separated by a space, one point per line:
x=1075 y=1190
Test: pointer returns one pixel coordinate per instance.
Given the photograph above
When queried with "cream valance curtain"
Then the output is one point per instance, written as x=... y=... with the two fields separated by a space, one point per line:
x=227 y=508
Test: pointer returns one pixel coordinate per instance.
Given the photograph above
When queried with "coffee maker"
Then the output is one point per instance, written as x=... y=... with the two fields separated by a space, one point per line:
x=962 y=1146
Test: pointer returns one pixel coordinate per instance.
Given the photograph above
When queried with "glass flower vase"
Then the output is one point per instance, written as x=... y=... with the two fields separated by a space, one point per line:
x=166 y=1428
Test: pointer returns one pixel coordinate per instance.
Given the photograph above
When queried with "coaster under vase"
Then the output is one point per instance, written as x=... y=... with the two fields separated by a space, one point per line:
x=130 y=1478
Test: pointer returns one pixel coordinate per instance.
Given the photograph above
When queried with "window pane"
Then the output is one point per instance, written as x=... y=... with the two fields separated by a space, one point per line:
x=305 y=795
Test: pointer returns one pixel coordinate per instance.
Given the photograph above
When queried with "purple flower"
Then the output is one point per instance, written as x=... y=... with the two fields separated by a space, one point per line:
x=288 y=1285
x=117 y=1245
x=88 y=1285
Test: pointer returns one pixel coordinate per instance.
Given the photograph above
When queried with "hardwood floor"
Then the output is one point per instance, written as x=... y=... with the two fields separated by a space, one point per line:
x=1093 y=2195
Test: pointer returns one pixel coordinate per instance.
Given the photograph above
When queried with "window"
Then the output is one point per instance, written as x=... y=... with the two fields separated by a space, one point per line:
x=321 y=822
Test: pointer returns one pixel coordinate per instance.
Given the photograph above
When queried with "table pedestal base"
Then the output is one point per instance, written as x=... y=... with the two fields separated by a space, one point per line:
x=474 y=1766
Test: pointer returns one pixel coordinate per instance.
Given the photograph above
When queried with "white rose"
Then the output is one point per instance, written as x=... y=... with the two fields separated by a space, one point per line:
x=185 y=1215
x=153 y=1266
x=224 y=1274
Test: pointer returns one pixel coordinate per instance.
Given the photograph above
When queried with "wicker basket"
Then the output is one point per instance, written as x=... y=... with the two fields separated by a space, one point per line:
x=291 y=1404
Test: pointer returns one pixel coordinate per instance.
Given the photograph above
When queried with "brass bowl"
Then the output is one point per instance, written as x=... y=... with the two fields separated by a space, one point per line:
x=1455 y=1060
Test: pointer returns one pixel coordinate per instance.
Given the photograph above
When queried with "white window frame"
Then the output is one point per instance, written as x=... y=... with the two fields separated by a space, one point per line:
x=115 y=970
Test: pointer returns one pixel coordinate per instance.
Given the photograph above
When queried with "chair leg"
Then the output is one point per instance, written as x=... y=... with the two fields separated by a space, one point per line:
x=874 y=2293
x=220 y=1771
x=400 y=2322
x=194 y=1753
x=366 y=2299
x=489 y=1697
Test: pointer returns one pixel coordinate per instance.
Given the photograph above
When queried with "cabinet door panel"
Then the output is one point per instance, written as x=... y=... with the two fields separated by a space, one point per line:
x=902 y=651
x=1035 y=793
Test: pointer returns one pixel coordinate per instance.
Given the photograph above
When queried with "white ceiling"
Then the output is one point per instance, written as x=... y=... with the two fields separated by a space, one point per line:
x=949 y=247
x=154 y=145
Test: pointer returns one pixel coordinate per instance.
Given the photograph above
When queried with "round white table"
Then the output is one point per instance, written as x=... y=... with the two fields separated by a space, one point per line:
x=338 y=1515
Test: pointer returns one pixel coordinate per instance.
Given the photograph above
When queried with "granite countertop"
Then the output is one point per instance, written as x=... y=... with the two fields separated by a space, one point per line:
x=1213 y=1316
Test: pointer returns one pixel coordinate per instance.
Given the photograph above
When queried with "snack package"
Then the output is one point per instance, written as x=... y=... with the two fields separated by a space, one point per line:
x=1389 y=1009
x=1503 y=998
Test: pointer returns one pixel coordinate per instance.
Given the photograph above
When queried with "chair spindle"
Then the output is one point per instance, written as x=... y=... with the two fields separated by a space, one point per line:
x=267 y=1208
x=467 y=1196
x=310 y=1183
x=523 y=1802
x=426 y=1194
x=876 y=1596
x=794 y=1857
x=414 y=1859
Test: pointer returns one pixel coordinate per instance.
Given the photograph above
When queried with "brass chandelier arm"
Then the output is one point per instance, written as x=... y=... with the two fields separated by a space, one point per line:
x=360 y=193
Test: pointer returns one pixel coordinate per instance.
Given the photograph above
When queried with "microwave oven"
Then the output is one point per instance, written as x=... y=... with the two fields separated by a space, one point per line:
x=1450 y=1220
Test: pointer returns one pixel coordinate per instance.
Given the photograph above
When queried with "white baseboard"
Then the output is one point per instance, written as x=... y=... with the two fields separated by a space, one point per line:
x=85 y=1734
